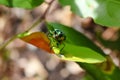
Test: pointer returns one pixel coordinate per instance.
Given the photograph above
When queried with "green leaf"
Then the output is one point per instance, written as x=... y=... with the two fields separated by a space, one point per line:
x=27 y=4
x=78 y=47
x=81 y=54
x=98 y=74
x=95 y=72
x=104 y=12
x=76 y=38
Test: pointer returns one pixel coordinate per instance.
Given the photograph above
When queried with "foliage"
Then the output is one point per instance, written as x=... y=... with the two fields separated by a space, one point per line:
x=71 y=52
x=27 y=4
x=77 y=48
x=104 y=12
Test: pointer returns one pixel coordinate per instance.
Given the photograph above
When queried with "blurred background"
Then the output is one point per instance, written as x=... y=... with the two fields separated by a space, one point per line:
x=22 y=61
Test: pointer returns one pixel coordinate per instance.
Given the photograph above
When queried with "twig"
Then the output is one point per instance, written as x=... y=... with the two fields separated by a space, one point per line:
x=10 y=40
x=47 y=10
x=42 y=18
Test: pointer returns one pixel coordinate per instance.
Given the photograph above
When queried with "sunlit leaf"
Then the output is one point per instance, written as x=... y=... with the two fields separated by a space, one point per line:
x=77 y=46
x=38 y=39
x=76 y=38
x=80 y=54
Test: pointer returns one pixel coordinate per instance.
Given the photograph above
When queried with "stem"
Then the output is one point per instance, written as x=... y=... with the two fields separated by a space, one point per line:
x=33 y=25
x=47 y=10
x=10 y=40
x=42 y=18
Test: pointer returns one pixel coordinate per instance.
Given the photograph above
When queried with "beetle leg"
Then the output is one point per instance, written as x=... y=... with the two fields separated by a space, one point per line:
x=62 y=47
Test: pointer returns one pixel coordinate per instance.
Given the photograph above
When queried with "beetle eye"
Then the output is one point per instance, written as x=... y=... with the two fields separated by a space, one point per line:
x=56 y=31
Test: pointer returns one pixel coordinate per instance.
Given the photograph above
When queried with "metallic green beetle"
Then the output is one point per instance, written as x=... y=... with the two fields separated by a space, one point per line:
x=57 y=37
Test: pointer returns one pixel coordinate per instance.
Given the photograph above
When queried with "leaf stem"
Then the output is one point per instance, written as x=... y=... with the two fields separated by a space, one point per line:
x=33 y=25
x=43 y=17
x=9 y=41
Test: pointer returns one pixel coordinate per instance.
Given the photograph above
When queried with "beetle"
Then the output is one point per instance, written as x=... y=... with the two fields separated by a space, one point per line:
x=57 y=37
